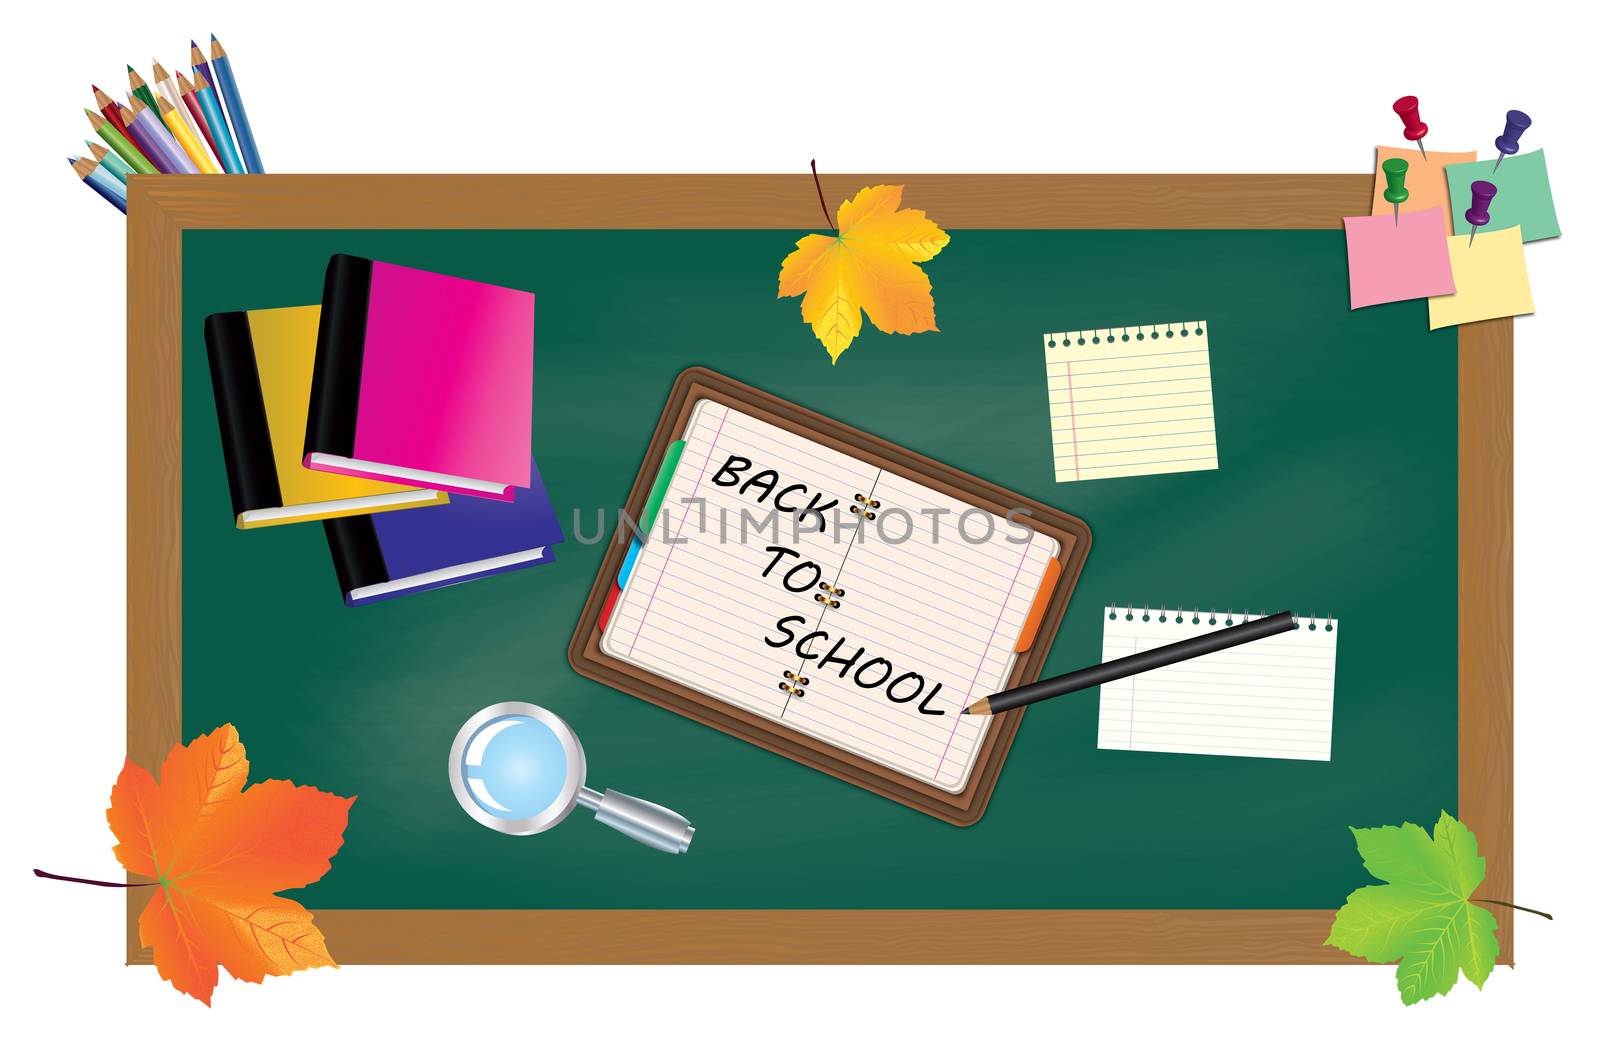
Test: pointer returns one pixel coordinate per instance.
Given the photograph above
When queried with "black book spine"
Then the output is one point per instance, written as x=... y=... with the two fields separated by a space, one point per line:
x=357 y=559
x=241 y=414
x=341 y=339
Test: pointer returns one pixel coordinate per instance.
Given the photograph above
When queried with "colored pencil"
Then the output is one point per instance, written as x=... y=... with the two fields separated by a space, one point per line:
x=219 y=126
x=192 y=103
x=166 y=88
x=120 y=143
x=107 y=107
x=229 y=88
x=109 y=160
x=197 y=61
x=105 y=185
x=175 y=155
x=158 y=145
x=186 y=138
x=141 y=90
x=93 y=171
x=112 y=111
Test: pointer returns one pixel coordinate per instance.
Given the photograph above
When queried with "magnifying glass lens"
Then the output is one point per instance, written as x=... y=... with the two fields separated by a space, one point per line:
x=515 y=767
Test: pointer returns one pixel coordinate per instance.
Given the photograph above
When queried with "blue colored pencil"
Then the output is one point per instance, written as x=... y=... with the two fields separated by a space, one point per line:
x=106 y=186
x=197 y=61
x=226 y=153
x=229 y=88
x=109 y=160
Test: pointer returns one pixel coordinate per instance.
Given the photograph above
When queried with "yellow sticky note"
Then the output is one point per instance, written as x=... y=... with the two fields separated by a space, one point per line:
x=1425 y=180
x=1491 y=280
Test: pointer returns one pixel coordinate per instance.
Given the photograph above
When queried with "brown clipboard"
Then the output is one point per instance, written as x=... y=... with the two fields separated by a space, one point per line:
x=960 y=808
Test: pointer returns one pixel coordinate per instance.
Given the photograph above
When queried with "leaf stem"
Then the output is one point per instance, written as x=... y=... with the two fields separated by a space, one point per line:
x=1508 y=904
x=79 y=879
x=820 y=199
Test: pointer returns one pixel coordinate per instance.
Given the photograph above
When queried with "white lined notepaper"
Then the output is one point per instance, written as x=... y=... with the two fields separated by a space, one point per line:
x=1130 y=400
x=1272 y=697
x=946 y=604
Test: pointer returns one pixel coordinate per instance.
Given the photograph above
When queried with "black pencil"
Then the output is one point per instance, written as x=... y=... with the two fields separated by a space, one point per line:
x=1116 y=669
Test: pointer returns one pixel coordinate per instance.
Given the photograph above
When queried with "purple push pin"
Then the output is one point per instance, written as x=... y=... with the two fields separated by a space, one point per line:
x=1478 y=213
x=1516 y=122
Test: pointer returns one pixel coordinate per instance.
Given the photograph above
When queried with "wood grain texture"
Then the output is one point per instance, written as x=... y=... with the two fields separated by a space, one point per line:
x=161 y=208
x=155 y=496
x=754 y=200
x=836 y=936
x=1483 y=604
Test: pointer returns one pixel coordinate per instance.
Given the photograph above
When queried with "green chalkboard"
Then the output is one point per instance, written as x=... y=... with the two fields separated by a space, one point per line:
x=1336 y=495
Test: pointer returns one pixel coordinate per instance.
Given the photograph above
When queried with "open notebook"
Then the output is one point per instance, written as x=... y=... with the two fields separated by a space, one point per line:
x=829 y=596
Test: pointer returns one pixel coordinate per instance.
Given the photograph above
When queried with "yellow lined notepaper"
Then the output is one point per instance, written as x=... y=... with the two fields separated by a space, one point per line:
x=1130 y=400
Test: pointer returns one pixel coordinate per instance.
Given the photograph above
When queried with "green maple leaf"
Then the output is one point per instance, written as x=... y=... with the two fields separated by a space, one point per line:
x=1423 y=915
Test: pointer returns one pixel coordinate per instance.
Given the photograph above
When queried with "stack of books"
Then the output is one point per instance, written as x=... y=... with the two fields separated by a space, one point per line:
x=399 y=413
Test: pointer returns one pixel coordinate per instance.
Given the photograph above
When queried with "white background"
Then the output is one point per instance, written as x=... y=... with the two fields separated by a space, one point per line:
x=676 y=87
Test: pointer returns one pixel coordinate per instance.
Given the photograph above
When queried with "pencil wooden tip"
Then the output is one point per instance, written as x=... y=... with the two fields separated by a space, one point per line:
x=196 y=55
x=134 y=103
x=95 y=119
x=84 y=167
x=97 y=150
x=184 y=86
x=159 y=72
x=101 y=98
x=200 y=81
x=163 y=106
x=978 y=708
x=216 y=49
x=127 y=117
x=135 y=80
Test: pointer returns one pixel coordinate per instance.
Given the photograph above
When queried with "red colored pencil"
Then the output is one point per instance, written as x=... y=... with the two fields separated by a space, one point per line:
x=109 y=110
x=113 y=112
x=190 y=102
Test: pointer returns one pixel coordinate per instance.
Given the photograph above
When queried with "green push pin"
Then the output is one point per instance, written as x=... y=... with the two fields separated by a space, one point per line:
x=1394 y=171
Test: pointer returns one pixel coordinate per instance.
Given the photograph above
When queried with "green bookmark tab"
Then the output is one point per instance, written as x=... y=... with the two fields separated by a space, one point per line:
x=658 y=491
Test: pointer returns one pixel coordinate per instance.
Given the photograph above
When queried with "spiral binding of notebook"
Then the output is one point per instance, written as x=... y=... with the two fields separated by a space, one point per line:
x=1271 y=698
x=1131 y=400
x=1213 y=617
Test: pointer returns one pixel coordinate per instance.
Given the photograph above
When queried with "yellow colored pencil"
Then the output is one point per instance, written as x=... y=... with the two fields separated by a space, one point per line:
x=185 y=137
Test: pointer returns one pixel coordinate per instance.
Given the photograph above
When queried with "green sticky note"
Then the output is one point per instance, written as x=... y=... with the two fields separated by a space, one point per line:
x=1523 y=197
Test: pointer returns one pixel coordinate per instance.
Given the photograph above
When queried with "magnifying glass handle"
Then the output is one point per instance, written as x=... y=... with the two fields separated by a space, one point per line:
x=650 y=824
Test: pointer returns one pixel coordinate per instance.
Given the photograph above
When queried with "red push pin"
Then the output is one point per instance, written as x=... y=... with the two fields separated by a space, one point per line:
x=1416 y=130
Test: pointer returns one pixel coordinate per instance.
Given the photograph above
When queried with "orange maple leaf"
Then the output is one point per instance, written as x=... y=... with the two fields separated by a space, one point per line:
x=871 y=265
x=219 y=853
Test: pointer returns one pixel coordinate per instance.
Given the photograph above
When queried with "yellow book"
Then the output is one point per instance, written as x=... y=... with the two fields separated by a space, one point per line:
x=261 y=363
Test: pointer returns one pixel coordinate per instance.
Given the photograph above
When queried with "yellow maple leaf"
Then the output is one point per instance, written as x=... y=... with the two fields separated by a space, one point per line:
x=871 y=266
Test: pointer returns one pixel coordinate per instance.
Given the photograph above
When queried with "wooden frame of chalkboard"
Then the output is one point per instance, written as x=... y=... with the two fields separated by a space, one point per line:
x=161 y=208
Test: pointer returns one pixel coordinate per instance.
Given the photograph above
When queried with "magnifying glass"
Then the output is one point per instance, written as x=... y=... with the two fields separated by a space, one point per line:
x=519 y=769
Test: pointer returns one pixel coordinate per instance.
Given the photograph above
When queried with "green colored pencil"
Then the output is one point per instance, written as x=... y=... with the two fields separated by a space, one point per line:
x=142 y=91
x=119 y=144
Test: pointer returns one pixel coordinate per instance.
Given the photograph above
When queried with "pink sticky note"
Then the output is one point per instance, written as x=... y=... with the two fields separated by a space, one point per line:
x=1404 y=261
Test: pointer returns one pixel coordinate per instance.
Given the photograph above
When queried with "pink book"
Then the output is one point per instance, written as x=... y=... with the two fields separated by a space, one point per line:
x=422 y=379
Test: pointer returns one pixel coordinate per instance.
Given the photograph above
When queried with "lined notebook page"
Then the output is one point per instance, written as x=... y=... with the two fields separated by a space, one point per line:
x=1272 y=697
x=1130 y=400
x=924 y=625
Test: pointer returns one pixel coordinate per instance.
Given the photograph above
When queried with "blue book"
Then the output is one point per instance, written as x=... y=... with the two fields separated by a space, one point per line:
x=378 y=556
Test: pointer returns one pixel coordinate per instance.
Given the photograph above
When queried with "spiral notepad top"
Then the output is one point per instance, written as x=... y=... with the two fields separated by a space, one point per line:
x=1272 y=697
x=1131 y=400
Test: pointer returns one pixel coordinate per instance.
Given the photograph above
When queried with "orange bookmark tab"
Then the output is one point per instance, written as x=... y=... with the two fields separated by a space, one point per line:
x=1041 y=600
